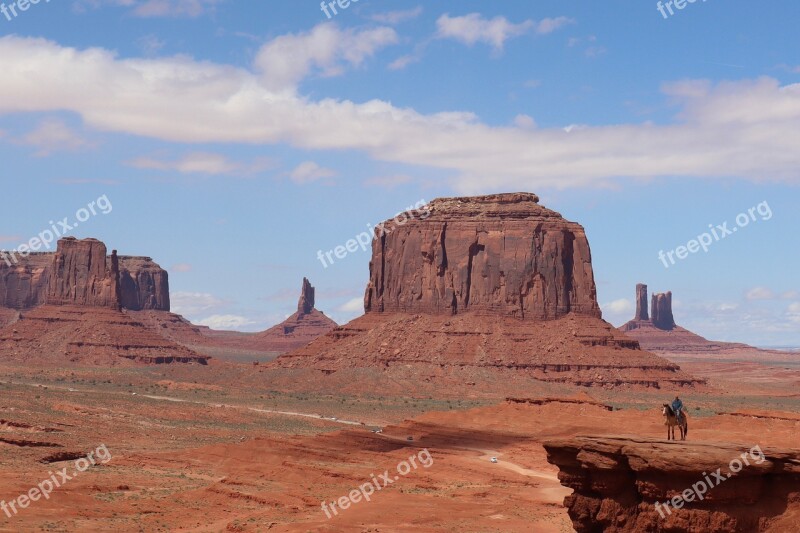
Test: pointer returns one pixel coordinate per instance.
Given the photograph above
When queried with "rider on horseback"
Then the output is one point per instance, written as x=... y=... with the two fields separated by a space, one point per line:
x=677 y=408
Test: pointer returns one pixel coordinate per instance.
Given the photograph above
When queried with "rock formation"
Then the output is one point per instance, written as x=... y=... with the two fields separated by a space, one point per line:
x=299 y=329
x=493 y=284
x=618 y=481
x=306 y=303
x=80 y=275
x=641 y=302
x=81 y=319
x=502 y=254
x=660 y=333
x=24 y=284
x=661 y=311
x=144 y=284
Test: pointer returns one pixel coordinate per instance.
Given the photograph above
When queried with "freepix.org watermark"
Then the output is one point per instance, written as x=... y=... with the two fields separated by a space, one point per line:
x=56 y=480
x=57 y=230
x=328 y=7
x=664 y=7
x=698 y=490
x=417 y=211
x=717 y=233
x=14 y=8
x=377 y=483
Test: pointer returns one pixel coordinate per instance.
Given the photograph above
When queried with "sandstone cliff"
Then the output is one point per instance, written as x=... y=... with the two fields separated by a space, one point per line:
x=24 y=284
x=502 y=254
x=81 y=275
x=618 y=480
x=81 y=319
x=144 y=284
x=497 y=286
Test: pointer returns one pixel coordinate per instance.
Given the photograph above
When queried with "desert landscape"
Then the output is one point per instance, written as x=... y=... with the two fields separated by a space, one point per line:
x=481 y=347
x=382 y=267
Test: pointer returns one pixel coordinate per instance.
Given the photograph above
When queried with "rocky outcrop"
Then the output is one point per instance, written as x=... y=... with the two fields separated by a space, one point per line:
x=623 y=484
x=82 y=320
x=58 y=334
x=641 y=303
x=496 y=286
x=144 y=284
x=24 y=281
x=502 y=254
x=661 y=311
x=306 y=303
x=82 y=276
x=660 y=333
x=304 y=326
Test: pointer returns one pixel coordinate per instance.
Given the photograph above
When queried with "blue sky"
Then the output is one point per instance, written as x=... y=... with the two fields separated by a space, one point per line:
x=236 y=139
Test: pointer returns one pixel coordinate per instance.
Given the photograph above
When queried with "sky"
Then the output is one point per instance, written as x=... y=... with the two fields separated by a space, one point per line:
x=231 y=141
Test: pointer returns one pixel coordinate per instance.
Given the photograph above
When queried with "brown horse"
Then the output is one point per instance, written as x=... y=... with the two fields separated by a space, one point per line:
x=670 y=420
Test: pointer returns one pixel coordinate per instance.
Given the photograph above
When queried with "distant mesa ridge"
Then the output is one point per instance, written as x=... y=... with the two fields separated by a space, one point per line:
x=143 y=285
x=72 y=302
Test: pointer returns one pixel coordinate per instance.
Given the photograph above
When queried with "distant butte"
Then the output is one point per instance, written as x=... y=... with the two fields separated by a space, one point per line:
x=494 y=283
x=660 y=334
x=81 y=319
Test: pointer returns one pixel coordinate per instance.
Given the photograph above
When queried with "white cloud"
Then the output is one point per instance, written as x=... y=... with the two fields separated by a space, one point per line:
x=403 y=61
x=52 y=135
x=204 y=163
x=759 y=293
x=474 y=28
x=618 y=307
x=356 y=305
x=791 y=295
x=745 y=129
x=524 y=122
x=396 y=17
x=194 y=303
x=226 y=322
x=309 y=171
x=287 y=60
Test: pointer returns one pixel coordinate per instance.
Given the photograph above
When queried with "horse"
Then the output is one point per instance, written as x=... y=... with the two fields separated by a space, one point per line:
x=671 y=420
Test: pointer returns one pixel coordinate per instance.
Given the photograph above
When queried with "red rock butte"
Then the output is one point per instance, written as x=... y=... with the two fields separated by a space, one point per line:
x=502 y=254
x=494 y=284
x=659 y=333
x=82 y=319
x=24 y=281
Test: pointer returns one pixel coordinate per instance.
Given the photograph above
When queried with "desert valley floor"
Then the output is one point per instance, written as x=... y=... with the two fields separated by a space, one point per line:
x=191 y=452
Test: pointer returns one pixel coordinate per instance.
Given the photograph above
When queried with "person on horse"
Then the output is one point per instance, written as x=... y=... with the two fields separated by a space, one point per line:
x=677 y=408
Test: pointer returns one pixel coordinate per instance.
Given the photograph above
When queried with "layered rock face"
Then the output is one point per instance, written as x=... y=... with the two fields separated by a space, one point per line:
x=81 y=319
x=618 y=481
x=492 y=286
x=502 y=254
x=24 y=283
x=144 y=285
x=80 y=275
